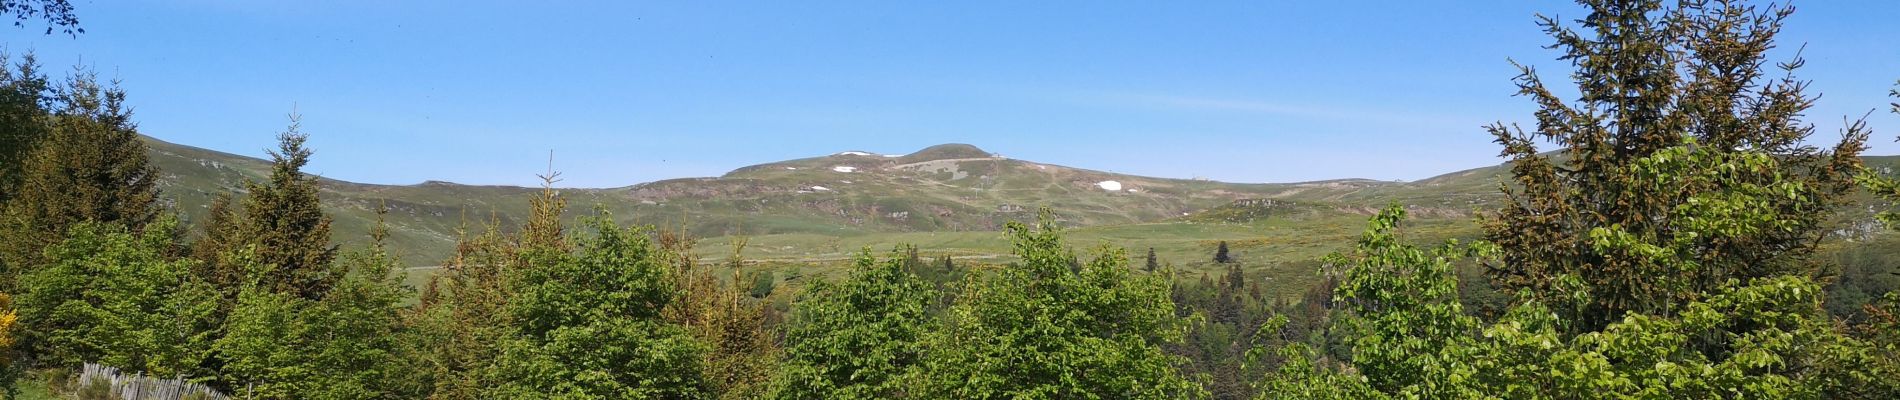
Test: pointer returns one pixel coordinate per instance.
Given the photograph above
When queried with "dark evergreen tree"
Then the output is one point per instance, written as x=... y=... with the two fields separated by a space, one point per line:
x=1153 y=263
x=912 y=261
x=1220 y=254
x=1652 y=79
x=91 y=167
x=218 y=233
x=283 y=222
x=23 y=108
x=346 y=345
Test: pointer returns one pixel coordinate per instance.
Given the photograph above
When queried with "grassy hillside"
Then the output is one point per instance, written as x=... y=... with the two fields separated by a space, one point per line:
x=948 y=188
x=947 y=199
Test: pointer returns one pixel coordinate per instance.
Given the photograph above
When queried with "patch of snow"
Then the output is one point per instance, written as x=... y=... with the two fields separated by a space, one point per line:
x=791 y=168
x=855 y=153
x=845 y=182
x=1109 y=185
x=843 y=168
x=1134 y=190
x=820 y=188
x=893 y=155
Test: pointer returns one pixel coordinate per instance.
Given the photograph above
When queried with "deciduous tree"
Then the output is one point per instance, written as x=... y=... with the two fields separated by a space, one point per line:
x=1039 y=329
x=857 y=338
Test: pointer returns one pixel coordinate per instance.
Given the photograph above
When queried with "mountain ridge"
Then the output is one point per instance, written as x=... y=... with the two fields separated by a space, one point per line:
x=943 y=188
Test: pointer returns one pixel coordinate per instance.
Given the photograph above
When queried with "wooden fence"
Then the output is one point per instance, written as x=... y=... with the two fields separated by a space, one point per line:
x=141 y=387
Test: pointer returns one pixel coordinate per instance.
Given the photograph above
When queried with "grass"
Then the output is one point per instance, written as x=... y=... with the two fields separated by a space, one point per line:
x=34 y=389
x=1283 y=252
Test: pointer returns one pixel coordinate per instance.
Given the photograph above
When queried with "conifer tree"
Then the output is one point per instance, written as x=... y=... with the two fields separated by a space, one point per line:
x=23 y=109
x=1651 y=78
x=460 y=319
x=218 y=235
x=1220 y=254
x=1153 y=263
x=742 y=352
x=284 y=223
x=1663 y=254
x=544 y=228
x=345 y=345
x=91 y=167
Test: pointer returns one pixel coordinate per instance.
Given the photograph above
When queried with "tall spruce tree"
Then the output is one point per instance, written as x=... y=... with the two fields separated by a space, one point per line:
x=91 y=167
x=284 y=224
x=460 y=317
x=1651 y=78
x=23 y=108
x=346 y=345
x=1662 y=254
x=1220 y=254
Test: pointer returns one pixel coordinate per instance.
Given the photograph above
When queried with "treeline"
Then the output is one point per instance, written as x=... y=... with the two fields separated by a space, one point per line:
x=1668 y=250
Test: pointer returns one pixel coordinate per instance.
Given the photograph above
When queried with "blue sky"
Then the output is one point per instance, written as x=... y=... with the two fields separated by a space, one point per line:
x=625 y=92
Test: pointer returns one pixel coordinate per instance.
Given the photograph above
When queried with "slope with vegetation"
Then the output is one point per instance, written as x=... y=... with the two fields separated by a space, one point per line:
x=1686 y=241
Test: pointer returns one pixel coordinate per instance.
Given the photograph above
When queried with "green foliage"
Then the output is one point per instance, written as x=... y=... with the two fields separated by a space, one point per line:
x=1883 y=186
x=761 y=283
x=359 y=330
x=590 y=327
x=284 y=224
x=346 y=345
x=1657 y=84
x=1039 y=328
x=261 y=342
x=1774 y=343
x=742 y=353
x=1767 y=338
x=219 y=236
x=858 y=338
x=22 y=109
x=112 y=296
x=1301 y=378
x=89 y=167
x=1409 y=334
x=460 y=318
